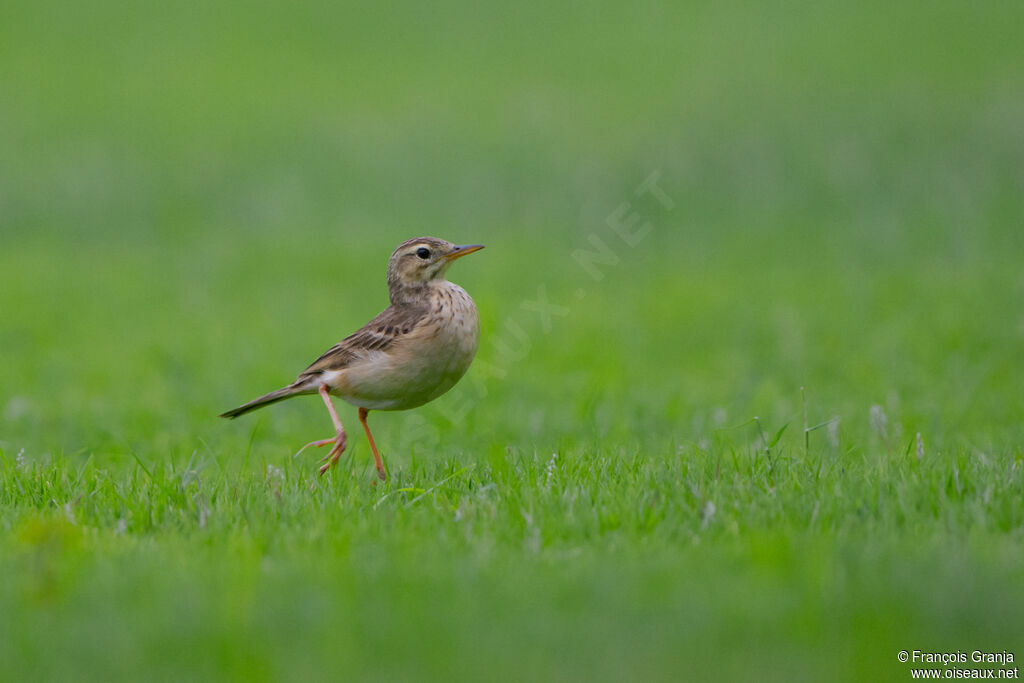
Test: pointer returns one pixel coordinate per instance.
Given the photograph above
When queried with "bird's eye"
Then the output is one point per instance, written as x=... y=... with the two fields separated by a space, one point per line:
x=423 y=253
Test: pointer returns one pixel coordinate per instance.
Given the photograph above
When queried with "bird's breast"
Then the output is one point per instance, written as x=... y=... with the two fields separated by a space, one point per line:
x=425 y=363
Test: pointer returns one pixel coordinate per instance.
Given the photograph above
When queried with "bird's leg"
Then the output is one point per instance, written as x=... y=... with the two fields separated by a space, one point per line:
x=339 y=440
x=363 y=412
x=339 y=445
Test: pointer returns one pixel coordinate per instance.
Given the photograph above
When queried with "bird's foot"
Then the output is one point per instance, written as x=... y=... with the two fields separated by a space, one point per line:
x=339 y=441
x=331 y=459
x=315 y=444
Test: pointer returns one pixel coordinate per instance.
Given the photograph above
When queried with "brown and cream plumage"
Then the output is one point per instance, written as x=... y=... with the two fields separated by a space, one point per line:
x=414 y=351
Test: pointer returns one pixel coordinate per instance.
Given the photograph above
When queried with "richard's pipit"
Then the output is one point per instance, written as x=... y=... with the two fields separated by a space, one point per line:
x=411 y=353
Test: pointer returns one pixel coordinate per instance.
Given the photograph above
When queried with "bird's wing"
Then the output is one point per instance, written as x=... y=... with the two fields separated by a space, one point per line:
x=394 y=323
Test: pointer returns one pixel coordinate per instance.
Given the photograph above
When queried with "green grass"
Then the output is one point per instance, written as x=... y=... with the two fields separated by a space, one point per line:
x=196 y=201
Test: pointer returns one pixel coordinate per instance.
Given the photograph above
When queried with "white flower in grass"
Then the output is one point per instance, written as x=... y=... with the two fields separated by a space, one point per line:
x=274 y=473
x=551 y=469
x=19 y=459
x=920 y=447
x=707 y=514
x=879 y=421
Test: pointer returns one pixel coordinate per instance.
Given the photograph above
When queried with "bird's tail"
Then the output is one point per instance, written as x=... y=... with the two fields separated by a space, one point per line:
x=266 y=400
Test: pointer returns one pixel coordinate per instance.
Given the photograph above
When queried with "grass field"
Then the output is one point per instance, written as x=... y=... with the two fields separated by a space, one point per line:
x=776 y=433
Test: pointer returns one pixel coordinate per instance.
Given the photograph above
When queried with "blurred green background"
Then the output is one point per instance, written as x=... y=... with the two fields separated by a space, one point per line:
x=197 y=198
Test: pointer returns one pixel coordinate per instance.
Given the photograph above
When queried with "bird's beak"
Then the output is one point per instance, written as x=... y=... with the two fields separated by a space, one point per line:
x=461 y=250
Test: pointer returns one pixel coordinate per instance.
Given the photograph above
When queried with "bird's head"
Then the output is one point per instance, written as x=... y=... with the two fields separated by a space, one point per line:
x=418 y=261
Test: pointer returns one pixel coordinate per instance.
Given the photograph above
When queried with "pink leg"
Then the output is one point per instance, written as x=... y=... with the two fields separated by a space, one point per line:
x=326 y=396
x=339 y=440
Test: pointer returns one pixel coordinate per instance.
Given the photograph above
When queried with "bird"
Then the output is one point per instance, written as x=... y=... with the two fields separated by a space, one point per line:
x=415 y=350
